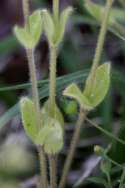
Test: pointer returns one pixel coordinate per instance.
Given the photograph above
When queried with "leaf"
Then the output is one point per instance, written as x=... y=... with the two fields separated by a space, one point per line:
x=96 y=88
x=48 y=25
x=98 y=180
x=106 y=166
x=74 y=92
x=28 y=117
x=30 y=34
x=118 y=82
x=57 y=113
x=35 y=26
x=62 y=22
x=24 y=37
x=51 y=136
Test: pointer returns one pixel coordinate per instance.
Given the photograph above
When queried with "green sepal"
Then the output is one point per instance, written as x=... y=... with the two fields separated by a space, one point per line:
x=29 y=35
x=97 y=87
x=51 y=136
x=73 y=91
x=28 y=117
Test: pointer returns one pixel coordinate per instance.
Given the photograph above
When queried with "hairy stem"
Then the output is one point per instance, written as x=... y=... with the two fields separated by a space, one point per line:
x=101 y=38
x=73 y=145
x=52 y=85
x=56 y=9
x=52 y=94
x=53 y=171
x=52 y=101
x=26 y=9
x=35 y=96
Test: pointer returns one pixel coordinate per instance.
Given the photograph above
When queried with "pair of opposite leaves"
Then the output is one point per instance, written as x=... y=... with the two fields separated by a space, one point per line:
x=30 y=34
x=50 y=133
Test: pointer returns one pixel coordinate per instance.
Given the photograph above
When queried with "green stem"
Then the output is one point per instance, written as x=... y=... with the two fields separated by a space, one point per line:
x=101 y=38
x=52 y=85
x=71 y=151
x=52 y=94
x=35 y=96
x=26 y=9
x=52 y=102
x=105 y=132
x=56 y=10
x=109 y=181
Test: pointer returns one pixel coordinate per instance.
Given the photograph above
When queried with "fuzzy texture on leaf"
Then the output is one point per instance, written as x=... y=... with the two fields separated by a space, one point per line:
x=51 y=136
x=30 y=34
x=74 y=92
x=95 y=90
x=28 y=117
x=55 y=31
x=97 y=87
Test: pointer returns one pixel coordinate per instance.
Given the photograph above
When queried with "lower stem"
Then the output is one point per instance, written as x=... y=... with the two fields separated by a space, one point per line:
x=52 y=102
x=73 y=145
x=43 y=169
x=35 y=96
x=53 y=171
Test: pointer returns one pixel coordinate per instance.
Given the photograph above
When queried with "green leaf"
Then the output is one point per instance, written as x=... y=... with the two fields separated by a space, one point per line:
x=30 y=34
x=57 y=113
x=96 y=88
x=117 y=79
x=74 y=92
x=49 y=25
x=98 y=180
x=106 y=166
x=51 y=136
x=62 y=22
x=35 y=26
x=23 y=36
x=28 y=117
